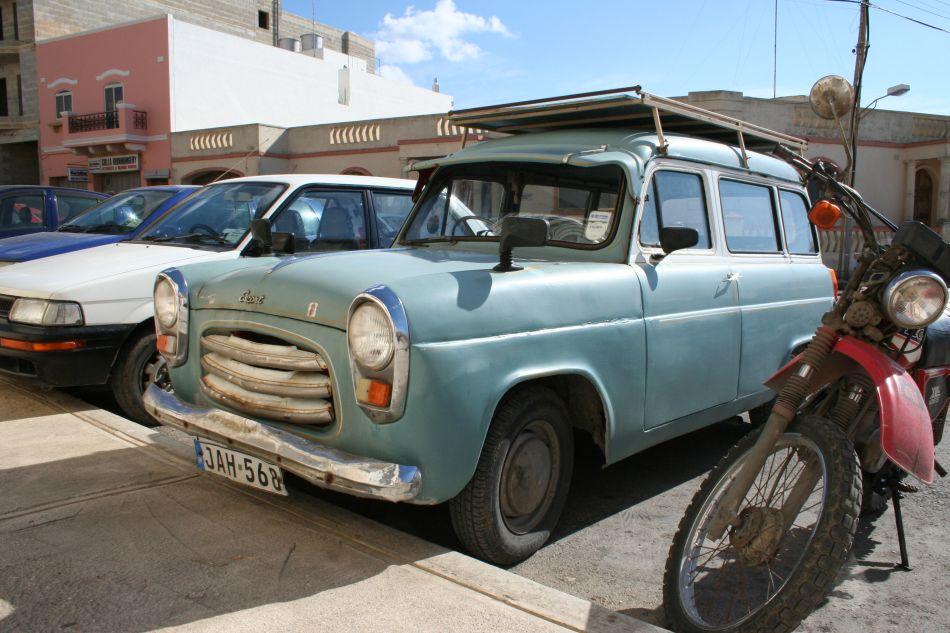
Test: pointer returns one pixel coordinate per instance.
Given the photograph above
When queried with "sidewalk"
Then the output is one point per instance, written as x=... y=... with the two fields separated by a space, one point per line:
x=107 y=526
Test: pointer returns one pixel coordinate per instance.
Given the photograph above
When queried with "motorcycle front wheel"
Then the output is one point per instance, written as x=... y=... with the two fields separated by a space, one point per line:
x=779 y=558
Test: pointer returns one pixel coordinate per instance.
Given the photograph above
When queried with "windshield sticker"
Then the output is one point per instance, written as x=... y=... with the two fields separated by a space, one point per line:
x=597 y=224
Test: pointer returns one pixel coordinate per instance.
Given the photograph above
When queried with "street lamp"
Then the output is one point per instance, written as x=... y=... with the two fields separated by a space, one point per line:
x=893 y=91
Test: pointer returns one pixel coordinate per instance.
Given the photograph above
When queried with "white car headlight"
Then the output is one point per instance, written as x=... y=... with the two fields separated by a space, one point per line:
x=45 y=312
x=370 y=335
x=915 y=298
x=166 y=302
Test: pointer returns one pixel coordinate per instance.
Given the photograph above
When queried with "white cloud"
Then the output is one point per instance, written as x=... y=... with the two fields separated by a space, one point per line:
x=396 y=74
x=417 y=36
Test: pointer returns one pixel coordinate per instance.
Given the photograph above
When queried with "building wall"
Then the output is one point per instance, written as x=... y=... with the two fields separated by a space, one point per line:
x=221 y=79
x=18 y=163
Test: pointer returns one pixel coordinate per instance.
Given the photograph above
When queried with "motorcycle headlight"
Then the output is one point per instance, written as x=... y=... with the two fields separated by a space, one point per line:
x=915 y=298
x=166 y=302
x=45 y=312
x=371 y=336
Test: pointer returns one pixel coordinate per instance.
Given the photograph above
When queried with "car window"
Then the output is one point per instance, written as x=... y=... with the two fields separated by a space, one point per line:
x=391 y=211
x=467 y=202
x=122 y=213
x=23 y=210
x=217 y=215
x=68 y=207
x=674 y=198
x=799 y=232
x=749 y=216
x=323 y=220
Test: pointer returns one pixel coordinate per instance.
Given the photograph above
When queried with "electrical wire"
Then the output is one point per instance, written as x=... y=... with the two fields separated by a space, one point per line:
x=895 y=13
x=919 y=8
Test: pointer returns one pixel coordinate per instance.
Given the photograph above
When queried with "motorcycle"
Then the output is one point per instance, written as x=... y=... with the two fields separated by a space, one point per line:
x=864 y=404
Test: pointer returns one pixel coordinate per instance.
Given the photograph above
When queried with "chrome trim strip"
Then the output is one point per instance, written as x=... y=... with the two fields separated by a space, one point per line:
x=321 y=465
x=396 y=373
x=287 y=357
x=277 y=408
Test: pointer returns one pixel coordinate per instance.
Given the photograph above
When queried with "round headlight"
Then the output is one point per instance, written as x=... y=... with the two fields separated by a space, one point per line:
x=915 y=298
x=371 y=336
x=166 y=302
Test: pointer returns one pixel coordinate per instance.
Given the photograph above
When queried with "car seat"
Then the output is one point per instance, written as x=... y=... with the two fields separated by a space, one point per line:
x=290 y=222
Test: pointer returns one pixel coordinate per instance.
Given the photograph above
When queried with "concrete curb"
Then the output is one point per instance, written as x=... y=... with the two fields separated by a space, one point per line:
x=398 y=547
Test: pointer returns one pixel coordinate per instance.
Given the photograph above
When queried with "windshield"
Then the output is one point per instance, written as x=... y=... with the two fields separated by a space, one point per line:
x=122 y=213
x=467 y=202
x=217 y=215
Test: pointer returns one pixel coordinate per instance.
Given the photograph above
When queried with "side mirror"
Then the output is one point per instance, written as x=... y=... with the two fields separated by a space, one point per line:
x=674 y=238
x=519 y=232
x=264 y=241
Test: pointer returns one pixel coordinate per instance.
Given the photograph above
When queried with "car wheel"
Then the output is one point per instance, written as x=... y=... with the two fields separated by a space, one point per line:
x=513 y=501
x=139 y=365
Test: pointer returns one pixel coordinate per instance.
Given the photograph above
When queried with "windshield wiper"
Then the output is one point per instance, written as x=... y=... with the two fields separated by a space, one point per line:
x=110 y=227
x=190 y=238
x=71 y=228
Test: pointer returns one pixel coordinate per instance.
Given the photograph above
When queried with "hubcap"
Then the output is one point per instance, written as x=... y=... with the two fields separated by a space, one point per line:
x=529 y=477
x=156 y=371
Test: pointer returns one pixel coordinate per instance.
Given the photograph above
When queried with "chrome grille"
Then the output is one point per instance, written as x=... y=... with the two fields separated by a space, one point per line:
x=268 y=379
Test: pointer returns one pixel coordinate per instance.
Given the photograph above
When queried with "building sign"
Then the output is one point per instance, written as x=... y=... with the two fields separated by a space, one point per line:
x=111 y=164
x=77 y=174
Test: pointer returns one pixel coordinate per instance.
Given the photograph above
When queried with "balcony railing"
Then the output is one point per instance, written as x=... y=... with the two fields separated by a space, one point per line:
x=111 y=120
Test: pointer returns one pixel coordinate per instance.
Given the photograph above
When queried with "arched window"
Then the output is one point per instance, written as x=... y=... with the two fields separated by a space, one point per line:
x=114 y=96
x=355 y=171
x=923 y=196
x=64 y=103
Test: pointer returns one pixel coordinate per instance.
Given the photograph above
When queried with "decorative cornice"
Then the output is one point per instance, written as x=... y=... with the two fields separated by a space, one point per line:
x=112 y=72
x=62 y=80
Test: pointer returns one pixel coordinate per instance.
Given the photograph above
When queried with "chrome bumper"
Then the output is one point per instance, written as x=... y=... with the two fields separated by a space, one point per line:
x=319 y=464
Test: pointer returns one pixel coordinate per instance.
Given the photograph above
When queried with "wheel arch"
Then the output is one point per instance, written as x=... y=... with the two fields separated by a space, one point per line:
x=582 y=392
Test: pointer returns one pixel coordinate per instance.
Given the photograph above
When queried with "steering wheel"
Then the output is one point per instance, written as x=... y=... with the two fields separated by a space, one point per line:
x=204 y=227
x=467 y=218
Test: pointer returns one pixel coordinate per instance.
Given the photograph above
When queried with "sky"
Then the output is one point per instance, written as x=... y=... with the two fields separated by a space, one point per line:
x=493 y=51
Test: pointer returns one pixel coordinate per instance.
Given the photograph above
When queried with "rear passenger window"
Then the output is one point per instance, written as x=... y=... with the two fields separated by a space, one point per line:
x=799 y=233
x=749 y=216
x=391 y=212
x=674 y=199
x=68 y=207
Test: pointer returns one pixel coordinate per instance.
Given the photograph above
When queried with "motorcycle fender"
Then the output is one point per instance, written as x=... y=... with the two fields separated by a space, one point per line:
x=906 y=431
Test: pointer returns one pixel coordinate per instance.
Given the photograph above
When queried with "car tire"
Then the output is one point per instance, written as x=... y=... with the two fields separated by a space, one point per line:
x=513 y=501
x=138 y=358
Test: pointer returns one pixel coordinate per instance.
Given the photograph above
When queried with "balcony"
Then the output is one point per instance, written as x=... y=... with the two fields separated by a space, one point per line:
x=124 y=128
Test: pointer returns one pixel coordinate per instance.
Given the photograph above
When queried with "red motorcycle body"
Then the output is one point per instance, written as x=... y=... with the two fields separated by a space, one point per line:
x=906 y=429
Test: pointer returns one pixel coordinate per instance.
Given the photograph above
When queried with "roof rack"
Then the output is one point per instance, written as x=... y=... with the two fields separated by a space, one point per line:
x=619 y=108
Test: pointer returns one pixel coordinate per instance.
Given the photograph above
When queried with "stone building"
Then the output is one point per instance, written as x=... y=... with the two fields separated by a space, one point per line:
x=26 y=22
x=903 y=157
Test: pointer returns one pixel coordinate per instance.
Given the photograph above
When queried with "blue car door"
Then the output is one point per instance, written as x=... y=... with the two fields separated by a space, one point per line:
x=690 y=301
x=24 y=211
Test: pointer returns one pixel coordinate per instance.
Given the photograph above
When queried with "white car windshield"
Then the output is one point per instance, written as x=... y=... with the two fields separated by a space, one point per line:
x=217 y=215
x=467 y=202
x=122 y=213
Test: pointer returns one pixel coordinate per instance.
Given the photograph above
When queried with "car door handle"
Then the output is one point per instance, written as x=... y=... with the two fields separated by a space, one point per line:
x=730 y=277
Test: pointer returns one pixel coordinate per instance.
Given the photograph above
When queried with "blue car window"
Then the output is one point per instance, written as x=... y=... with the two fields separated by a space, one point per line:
x=122 y=213
x=21 y=211
x=749 y=216
x=799 y=232
x=674 y=199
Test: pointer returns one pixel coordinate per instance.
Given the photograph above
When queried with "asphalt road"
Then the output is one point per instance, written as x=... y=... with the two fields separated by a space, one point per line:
x=611 y=544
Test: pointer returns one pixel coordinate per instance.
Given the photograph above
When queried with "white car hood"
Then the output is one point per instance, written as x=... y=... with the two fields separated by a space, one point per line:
x=111 y=282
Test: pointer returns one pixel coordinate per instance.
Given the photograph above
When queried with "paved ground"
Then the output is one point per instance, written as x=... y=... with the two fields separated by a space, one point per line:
x=106 y=526
x=613 y=539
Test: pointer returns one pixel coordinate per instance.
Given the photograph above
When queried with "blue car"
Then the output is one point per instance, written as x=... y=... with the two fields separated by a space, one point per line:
x=119 y=218
x=26 y=209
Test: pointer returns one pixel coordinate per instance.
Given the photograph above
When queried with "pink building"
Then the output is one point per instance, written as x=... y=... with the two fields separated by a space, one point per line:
x=110 y=99
x=105 y=112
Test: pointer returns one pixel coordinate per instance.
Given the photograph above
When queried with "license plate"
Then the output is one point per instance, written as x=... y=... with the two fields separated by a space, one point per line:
x=240 y=467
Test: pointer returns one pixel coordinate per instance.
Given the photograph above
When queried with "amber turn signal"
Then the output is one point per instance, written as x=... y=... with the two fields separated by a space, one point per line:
x=30 y=346
x=374 y=392
x=824 y=214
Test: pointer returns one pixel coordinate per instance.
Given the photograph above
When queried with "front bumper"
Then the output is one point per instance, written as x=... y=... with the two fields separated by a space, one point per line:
x=89 y=365
x=321 y=465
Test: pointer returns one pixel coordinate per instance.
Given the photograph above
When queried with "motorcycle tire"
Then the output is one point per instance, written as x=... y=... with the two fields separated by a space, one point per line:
x=822 y=557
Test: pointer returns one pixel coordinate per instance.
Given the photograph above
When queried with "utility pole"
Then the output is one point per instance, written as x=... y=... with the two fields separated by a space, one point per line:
x=860 y=57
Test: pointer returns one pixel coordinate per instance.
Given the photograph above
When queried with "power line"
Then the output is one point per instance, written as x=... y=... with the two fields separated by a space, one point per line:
x=900 y=15
x=919 y=8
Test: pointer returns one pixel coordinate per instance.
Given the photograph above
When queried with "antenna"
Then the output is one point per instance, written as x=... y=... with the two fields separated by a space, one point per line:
x=775 y=52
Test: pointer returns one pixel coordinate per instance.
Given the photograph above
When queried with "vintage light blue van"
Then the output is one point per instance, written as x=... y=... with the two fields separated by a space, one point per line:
x=593 y=271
